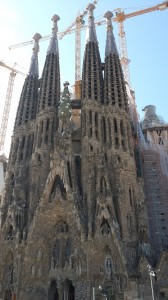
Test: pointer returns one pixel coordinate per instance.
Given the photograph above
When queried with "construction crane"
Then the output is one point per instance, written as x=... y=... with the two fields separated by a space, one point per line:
x=6 y=110
x=119 y=18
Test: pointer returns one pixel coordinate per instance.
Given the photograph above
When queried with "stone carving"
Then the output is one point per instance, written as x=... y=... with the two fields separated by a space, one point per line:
x=33 y=271
x=39 y=254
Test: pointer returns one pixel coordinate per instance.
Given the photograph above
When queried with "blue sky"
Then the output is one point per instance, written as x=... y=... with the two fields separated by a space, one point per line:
x=147 y=45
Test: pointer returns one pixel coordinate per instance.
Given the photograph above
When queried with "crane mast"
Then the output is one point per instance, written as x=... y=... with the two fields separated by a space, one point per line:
x=6 y=110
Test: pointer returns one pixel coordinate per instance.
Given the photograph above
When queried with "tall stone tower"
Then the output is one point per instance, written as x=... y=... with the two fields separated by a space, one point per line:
x=73 y=221
x=154 y=155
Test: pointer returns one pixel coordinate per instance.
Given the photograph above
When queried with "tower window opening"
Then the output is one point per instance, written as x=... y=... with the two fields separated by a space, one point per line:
x=46 y=139
x=23 y=142
x=115 y=126
x=69 y=174
x=96 y=125
x=84 y=123
x=116 y=142
x=131 y=196
x=90 y=132
x=103 y=129
x=122 y=127
x=109 y=129
x=78 y=173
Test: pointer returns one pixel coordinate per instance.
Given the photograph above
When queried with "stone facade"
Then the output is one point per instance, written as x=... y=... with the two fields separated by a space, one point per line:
x=73 y=218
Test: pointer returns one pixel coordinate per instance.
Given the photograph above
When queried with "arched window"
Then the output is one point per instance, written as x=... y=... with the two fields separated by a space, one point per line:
x=58 y=184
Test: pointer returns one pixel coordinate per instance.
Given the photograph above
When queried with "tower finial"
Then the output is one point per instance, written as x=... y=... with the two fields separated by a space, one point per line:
x=53 y=46
x=33 y=71
x=110 y=40
x=91 y=32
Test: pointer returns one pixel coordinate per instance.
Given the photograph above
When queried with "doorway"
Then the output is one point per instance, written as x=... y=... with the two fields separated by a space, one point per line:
x=53 y=292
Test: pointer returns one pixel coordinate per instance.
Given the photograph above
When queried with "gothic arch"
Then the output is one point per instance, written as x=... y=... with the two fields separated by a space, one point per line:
x=57 y=186
x=10 y=233
x=105 y=228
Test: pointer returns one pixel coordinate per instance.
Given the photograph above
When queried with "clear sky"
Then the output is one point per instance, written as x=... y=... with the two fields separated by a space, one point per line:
x=147 y=44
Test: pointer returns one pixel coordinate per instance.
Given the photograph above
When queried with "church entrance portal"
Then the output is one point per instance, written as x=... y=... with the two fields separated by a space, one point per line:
x=53 y=292
x=67 y=292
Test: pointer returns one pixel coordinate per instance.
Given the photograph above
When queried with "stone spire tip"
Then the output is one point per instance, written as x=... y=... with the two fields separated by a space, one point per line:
x=53 y=46
x=91 y=32
x=37 y=37
x=55 y=18
x=90 y=7
x=110 y=40
x=66 y=83
x=33 y=71
x=108 y=15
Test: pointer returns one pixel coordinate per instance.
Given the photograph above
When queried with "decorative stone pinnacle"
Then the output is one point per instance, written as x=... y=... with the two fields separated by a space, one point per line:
x=36 y=39
x=90 y=9
x=55 y=19
x=108 y=15
x=33 y=71
x=91 y=32
x=66 y=83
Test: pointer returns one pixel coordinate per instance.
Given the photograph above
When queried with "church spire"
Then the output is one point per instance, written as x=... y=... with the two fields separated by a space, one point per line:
x=28 y=99
x=114 y=85
x=34 y=70
x=92 y=78
x=49 y=95
x=110 y=39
